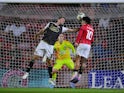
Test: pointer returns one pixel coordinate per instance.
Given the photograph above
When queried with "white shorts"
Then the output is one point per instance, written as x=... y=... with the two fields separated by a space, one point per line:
x=44 y=48
x=83 y=50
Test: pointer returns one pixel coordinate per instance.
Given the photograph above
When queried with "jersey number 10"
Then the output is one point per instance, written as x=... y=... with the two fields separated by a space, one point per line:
x=89 y=35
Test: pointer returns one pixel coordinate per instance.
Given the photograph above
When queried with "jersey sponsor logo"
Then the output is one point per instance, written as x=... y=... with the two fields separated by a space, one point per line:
x=54 y=28
x=62 y=52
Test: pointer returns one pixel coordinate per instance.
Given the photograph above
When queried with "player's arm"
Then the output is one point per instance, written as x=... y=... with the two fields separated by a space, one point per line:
x=55 y=45
x=56 y=49
x=41 y=31
x=92 y=37
x=71 y=47
x=79 y=36
x=65 y=29
x=73 y=50
x=73 y=30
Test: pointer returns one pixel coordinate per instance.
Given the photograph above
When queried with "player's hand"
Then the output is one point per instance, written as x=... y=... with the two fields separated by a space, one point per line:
x=76 y=29
x=35 y=37
x=76 y=44
x=74 y=58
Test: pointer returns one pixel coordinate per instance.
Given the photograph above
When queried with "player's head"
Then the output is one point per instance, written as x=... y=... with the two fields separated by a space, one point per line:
x=61 y=20
x=86 y=20
x=61 y=37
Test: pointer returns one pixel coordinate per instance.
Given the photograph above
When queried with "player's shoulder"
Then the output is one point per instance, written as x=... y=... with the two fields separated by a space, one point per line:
x=84 y=26
x=52 y=23
x=56 y=42
x=66 y=41
x=88 y=26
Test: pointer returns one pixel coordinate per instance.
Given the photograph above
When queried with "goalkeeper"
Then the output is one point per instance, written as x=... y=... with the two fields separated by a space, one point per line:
x=63 y=50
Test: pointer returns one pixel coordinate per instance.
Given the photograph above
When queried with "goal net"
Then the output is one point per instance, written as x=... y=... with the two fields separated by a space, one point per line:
x=20 y=22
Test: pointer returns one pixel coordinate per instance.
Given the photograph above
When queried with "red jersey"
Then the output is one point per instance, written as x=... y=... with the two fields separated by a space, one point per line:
x=85 y=34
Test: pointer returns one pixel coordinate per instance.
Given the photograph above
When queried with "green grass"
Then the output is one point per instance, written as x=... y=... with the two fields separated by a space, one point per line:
x=58 y=90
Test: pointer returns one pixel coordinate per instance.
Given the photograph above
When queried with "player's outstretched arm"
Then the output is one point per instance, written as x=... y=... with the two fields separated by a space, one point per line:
x=39 y=33
x=71 y=47
x=73 y=30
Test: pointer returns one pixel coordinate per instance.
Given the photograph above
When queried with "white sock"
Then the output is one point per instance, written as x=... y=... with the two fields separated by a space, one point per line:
x=79 y=77
x=75 y=74
x=44 y=58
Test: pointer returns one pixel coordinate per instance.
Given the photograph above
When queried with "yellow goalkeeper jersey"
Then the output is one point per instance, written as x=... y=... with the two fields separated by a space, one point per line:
x=63 y=49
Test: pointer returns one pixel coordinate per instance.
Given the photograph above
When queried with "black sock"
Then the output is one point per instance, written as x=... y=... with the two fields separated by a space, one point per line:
x=75 y=80
x=30 y=66
x=50 y=72
x=80 y=71
x=75 y=71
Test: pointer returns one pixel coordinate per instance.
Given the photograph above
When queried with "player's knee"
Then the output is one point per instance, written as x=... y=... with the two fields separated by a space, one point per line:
x=84 y=65
x=72 y=67
x=54 y=70
x=35 y=57
x=49 y=62
x=77 y=65
x=78 y=58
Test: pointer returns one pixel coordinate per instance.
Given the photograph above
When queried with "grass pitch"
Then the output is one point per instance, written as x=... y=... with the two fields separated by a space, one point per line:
x=58 y=90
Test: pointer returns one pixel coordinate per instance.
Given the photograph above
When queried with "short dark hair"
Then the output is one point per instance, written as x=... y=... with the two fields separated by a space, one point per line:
x=87 y=19
x=61 y=17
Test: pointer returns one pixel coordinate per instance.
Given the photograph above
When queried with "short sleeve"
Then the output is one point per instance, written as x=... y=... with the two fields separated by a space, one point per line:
x=64 y=29
x=47 y=26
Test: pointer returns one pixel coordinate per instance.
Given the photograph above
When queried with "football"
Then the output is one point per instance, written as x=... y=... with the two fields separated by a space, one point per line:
x=80 y=16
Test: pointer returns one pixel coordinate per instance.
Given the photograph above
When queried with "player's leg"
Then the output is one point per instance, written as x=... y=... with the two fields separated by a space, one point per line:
x=74 y=78
x=69 y=63
x=82 y=67
x=54 y=76
x=39 y=51
x=83 y=50
x=30 y=65
x=44 y=58
x=77 y=61
x=49 y=54
x=49 y=64
x=84 y=57
x=56 y=67
x=77 y=66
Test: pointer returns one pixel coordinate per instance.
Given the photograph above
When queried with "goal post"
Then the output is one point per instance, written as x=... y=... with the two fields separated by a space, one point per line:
x=19 y=22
